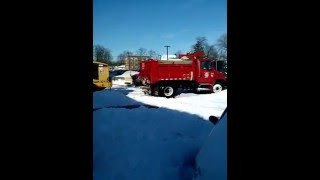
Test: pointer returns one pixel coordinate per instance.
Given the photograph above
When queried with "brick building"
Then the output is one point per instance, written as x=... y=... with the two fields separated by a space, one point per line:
x=133 y=62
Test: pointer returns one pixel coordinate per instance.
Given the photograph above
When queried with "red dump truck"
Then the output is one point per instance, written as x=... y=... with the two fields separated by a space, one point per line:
x=191 y=71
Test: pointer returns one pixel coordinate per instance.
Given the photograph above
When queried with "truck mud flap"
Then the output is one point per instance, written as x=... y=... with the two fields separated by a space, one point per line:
x=145 y=90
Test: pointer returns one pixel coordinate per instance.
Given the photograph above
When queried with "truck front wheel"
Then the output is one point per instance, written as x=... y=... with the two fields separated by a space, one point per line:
x=168 y=91
x=217 y=87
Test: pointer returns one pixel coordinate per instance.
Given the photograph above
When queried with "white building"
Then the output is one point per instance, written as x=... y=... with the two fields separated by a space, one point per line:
x=122 y=67
x=170 y=56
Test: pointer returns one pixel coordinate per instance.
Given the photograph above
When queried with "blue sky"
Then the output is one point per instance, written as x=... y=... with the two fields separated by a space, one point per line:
x=130 y=24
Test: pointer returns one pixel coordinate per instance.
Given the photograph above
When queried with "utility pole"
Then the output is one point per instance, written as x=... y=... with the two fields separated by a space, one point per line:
x=160 y=57
x=129 y=61
x=167 y=52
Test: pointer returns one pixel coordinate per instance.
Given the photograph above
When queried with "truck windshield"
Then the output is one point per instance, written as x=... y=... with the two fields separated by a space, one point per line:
x=220 y=66
x=206 y=65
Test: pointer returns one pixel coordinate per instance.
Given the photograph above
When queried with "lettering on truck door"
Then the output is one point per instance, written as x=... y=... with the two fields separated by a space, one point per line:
x=206 y=72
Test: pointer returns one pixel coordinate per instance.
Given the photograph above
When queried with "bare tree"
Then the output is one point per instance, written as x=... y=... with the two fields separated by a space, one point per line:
x=121 y=59
x=122 y=56
x=222 y=46
x=94 y=54
x=211 y=51
x=102 y=54
x=141 y=52
x=152 y=54
x=199 y=46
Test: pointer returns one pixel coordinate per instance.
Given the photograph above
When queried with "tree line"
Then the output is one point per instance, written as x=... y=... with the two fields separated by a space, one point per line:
x=216 y=51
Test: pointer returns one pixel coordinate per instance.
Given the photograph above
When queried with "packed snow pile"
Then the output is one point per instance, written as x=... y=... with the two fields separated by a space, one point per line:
x=127 y=74
x=124 y=79
x=203 y=105
x=211 y=161
x=144 y=143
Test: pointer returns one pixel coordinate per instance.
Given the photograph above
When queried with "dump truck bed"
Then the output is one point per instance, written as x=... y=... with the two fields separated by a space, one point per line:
x=155 y=71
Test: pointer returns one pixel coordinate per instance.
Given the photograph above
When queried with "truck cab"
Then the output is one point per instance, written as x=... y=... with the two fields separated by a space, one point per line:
x=208 y=77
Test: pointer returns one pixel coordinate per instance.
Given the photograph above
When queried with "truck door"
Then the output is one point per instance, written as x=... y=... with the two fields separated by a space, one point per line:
x=206 y=72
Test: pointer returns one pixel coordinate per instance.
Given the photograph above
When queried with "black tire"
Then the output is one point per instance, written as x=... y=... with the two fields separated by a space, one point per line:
x=195 y=91
x=218 y=87
x=137 y=82
x=168 y=91
x=97 y=88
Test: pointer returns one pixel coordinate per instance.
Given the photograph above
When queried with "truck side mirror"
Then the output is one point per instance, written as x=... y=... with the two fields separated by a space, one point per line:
x=213 y=120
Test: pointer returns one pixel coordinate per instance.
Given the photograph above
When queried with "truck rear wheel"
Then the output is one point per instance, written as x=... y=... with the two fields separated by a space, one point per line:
x=168 y=91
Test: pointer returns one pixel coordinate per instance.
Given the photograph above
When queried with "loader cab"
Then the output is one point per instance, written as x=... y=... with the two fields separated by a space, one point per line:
x=101 y=75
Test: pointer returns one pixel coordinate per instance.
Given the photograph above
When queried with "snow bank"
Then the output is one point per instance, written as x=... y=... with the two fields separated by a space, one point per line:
x=142 y=143
x=127 y=74
x=110 y=98
x=212 y=159
x=118 y=83
x=158 y=143
x=203 y=105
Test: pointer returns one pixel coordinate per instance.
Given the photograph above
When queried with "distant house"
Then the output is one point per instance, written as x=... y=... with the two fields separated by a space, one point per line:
x=121 y=67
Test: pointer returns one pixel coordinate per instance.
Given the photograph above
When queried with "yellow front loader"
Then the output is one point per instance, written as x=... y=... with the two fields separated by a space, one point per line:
x=101 y=78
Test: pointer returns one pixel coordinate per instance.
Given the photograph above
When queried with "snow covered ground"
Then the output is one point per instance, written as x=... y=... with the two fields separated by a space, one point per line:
x=133 y=141
x=211 y=160
x=203 y=105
